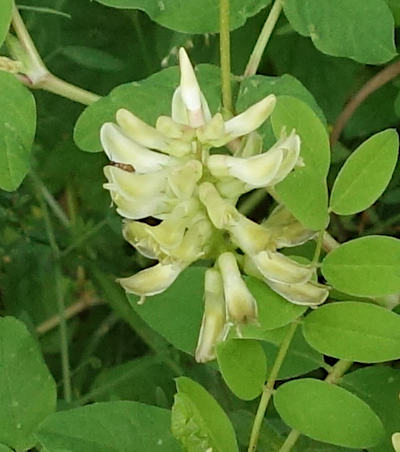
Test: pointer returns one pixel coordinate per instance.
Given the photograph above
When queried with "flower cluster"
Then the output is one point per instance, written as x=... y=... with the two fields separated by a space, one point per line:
x=170 y=173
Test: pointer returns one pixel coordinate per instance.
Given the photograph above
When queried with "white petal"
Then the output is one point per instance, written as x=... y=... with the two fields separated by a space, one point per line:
x=251 y=119
x=240 y=303
x=396 y=441
x=279 y=268
x=213 y=325
x=308 y=294
x=190 y=89
x=135 y=185
x=153 y=280
x=137 y=208
x=291 y=153
x=183 y=180
x=142 y=133
x=121 y=149
x=179 y=112
x=138 y=235
x=219 y=210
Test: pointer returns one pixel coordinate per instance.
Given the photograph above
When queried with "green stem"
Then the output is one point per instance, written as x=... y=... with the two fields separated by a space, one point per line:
x=225 y=52
x=318 y=248
x=55 y=85
x=36 y=72
x=263 y=39
x=51 y=201
x=329 y=243
x=59 y=299
x=334 y=377
x=290 y=441
x=269 y=387
x=252 y=201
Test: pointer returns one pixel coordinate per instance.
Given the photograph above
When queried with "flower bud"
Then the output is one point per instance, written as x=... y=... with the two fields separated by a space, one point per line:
x=138 y=235
x=279 y=268
x=252 y=146
x=173 y=129
x=240 y=303
x=152 y=280
x=251 y=119
x=213 y=325
x=121 y=149
x=290 y=148
x=213 y=131
x=183 y=180
x=309 y=294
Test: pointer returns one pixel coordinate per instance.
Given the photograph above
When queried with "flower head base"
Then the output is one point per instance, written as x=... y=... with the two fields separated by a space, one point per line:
x=167 y=172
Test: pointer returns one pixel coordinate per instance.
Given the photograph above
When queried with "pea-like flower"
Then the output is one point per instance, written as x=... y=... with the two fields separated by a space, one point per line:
x=168 y=172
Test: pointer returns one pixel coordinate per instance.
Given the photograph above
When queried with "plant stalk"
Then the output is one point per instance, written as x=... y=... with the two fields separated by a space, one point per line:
x=269 y=387
x=263 y=39
x=225 y=54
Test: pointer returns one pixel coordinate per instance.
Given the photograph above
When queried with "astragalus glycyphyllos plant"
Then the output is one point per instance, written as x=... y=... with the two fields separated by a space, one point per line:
x=174 y=173
x=256 y=235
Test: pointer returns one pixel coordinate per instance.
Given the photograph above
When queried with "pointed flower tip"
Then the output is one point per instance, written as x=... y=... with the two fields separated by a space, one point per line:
x=190 y=89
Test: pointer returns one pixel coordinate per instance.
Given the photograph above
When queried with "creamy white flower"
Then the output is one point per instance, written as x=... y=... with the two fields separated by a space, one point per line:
x=279 y=268
x=396 y=441
x=138 y=235
x=132 y=185
x=240 y=303
x=309 y=294
x=251 y=119
x=183 y=180
x=152 y=280
x=213 y=326
x=218 y=209
x=121 y=149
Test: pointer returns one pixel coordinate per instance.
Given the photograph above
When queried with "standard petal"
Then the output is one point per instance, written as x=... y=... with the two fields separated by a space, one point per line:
x=135 y=185
x=213 y=326
x=251 y=119
x=121 y=149
x=257 y=171
x=308 y=294
x=279 y=268
x=240 y=303
x=152 y=280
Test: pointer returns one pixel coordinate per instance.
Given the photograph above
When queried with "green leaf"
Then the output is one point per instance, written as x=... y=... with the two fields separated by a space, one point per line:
x=346 y=28
x=199 y=422
x=149 y=99
x=93 y=58
x=304 y=191
x=355 y=331
x=108 y=427
x=4 y=448
x=176 y=313
x=192 y=16
x=366 y=174
x=379 y=386
x=243 y=365
x=365 y=267
x=5 y=18
x=17 y=130
x=273 y=310
x=27 y=389
x=328 y=413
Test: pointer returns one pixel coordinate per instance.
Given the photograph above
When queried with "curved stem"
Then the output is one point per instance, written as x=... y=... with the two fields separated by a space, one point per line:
x=381 y=78
x=36 y=74
x=269 y=387
x=225 y=52
x=263 y=39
